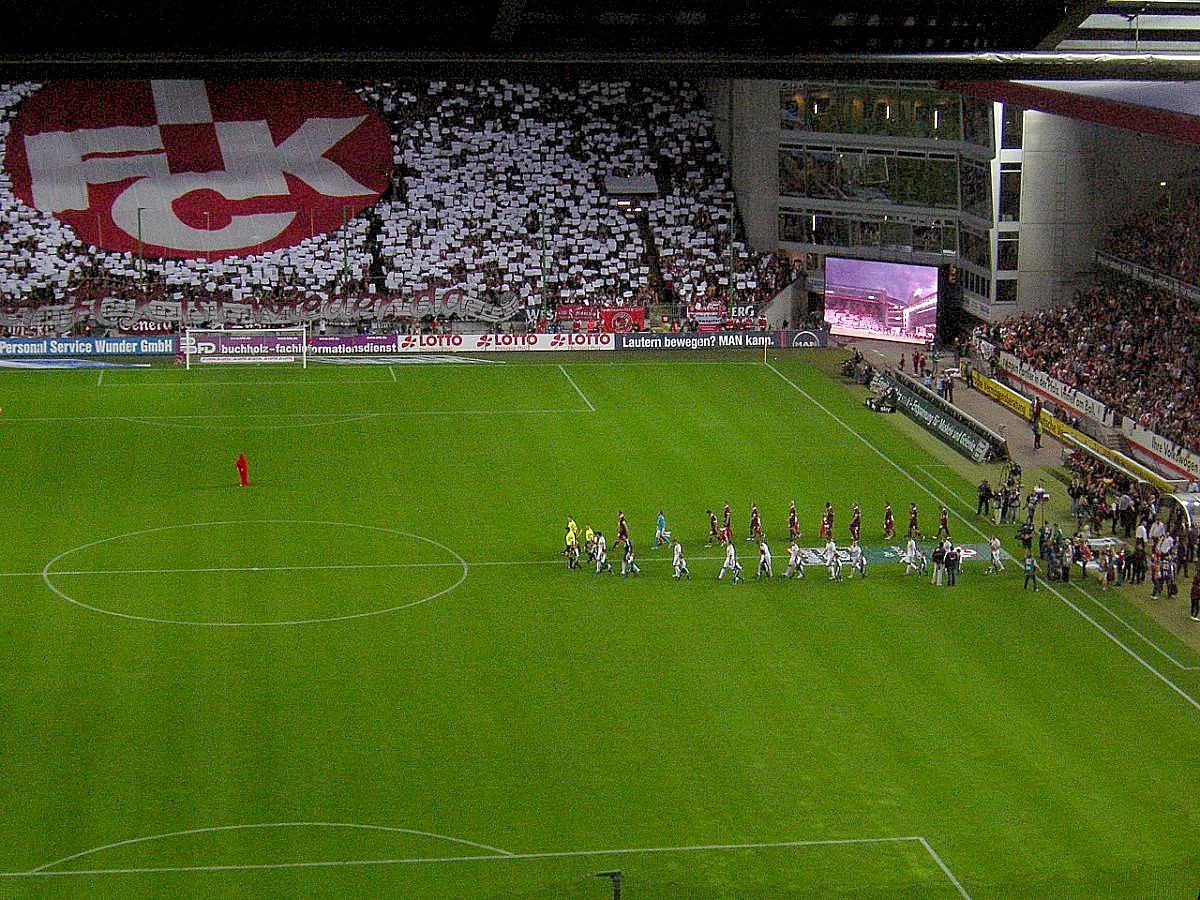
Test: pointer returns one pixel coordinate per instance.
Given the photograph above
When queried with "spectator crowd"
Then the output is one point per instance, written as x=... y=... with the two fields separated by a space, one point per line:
x=1126 y=344
x=1164 y=237
x=501 y=194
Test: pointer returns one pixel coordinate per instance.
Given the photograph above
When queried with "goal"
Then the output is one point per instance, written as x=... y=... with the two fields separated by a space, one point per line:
x=246 y=345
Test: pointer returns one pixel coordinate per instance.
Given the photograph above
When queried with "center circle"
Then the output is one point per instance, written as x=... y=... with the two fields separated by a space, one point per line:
x=423 y=558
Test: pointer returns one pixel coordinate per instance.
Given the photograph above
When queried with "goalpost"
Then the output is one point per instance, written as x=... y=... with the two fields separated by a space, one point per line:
x=246 y=345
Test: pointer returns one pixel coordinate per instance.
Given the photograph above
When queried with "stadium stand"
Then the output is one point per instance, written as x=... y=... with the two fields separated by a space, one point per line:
x=498 y=194
x=1164 y=238
x=1128 y=345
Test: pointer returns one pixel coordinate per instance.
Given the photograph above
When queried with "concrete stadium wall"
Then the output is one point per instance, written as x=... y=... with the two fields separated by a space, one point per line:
x=1078 y=178
x=750 y=140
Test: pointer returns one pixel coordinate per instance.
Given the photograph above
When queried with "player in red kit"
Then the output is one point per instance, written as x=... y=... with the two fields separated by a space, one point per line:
x=793 y=521
x=622 y=527
x=243 y=469
x=827 y=521
x=944 y=524
x=755 y=523
x=714 y=531
x=889 y=523
x=913 y=530
x=728 y=519
x=855 y=522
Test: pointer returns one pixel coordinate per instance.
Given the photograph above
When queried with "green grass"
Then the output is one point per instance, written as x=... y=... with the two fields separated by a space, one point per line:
x=529 y=708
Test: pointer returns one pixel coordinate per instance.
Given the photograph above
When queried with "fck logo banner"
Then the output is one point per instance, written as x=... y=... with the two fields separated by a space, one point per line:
x=198 y=169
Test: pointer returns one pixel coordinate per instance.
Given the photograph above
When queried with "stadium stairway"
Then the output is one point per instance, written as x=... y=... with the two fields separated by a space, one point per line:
x=657 y=282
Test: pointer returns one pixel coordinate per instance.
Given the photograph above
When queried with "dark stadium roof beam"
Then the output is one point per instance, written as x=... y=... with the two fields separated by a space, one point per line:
x=762 y=28
x=378 y=65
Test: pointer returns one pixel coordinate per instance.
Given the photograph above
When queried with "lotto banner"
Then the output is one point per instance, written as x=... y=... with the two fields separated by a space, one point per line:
x=372 y=345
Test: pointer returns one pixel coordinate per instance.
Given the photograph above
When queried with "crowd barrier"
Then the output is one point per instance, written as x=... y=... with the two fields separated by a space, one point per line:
x=1055 y=427
x=969 y=437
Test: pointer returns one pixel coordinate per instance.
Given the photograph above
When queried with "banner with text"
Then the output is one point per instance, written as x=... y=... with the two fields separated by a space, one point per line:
x=1148 y=276
x=724 y=340
x=1051 y=388
x=88 y=346
x=1159 y=452
x=942 y=423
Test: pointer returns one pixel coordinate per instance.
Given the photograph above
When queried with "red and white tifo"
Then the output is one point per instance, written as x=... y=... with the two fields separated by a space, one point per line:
x=193 y=169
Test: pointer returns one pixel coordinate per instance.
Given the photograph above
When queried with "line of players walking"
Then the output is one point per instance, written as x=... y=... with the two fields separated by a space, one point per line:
x=946 y=556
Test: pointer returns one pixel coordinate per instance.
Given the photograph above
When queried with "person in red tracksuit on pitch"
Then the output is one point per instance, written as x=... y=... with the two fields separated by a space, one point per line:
x=243 y=468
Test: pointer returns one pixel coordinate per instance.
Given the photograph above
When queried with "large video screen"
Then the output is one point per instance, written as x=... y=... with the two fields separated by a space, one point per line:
x=882 y=300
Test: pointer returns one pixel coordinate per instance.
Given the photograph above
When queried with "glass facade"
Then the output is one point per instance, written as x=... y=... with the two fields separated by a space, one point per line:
x=889 y=177
x=1010 y=192
x=891 y=110
x=1008 y=245
x=1012 y=127
x=903 y=169
x=913 y=234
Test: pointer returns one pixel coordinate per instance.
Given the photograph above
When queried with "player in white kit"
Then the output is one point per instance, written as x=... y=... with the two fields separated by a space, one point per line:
x=913 y=558
x=602 y=563
x=795 y=566
x=628 y=563
x=764 y=560
x=832 y=561
x=731 y=564
x=997 y=564
x=858 y=562
x=680 y=564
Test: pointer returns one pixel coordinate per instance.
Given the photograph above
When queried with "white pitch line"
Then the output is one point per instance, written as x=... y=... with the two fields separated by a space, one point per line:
x=936 y=480
x=945 y=868
x=392 y=369
x=1150 y=643
x=151 y=419
x=263 y=826
x=582 y=395
x=1145 y=639
x=1192 y=701
x=100 y=380
x=494 y=857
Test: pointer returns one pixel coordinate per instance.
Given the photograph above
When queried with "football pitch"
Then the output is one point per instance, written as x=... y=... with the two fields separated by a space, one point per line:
x=370 y=673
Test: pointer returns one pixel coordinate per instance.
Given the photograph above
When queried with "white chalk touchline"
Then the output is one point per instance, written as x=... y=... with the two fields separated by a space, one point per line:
x=1096 y=600
x=500 y=855
x=1192 y=701
x=582 y=395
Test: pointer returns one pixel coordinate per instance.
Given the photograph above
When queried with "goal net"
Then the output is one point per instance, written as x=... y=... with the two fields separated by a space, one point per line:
x=246 y=345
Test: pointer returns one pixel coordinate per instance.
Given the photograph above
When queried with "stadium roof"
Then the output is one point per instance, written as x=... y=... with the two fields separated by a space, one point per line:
x=758 y=27
x=774 y=38
x=922 y=39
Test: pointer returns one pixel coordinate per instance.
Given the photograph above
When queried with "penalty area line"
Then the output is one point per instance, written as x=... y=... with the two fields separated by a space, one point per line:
x=1192 y=701
x=498 y=857
x=579 y=391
